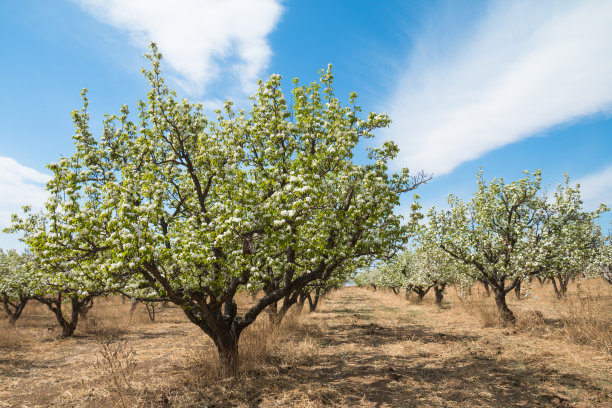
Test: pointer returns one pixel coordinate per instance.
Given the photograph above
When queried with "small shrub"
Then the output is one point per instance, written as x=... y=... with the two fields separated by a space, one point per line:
x=116 y=363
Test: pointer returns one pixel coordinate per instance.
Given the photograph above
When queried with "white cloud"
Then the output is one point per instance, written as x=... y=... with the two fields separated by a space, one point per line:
x=202 y=40
x=19 y=186
x=527 y=66
x=596 y=188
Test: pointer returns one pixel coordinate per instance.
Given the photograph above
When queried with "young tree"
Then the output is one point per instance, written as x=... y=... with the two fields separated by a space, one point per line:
x=494 y=233
x=573 y=240
x=57 y=279
x=200 y=209
x=15 y=282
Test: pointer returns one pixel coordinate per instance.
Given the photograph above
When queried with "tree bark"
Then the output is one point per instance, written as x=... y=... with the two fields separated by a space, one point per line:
x=607 y=274
x=312 y=303
x=301 y=301
x=272 y=311
x=55 y=305
x=487 y=288
x=151 y=306
x=17 y=308
x=439 y=292
x=505 y=313
x=85 y=308
x=560 y=286
x=517 y=291
x=420 y=292
x=227 y=348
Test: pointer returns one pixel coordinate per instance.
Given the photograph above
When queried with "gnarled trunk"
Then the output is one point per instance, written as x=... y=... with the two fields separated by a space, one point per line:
x=227 y=348
x=85 y=307
x=301 y=301
x=272 y=311
x=505 y=313
x=55 y=305
x=607 y=273
x=312 y=303
x=560 y=286
x=439 y=292
x=517 y=291
x=13 y=309
x=486 y=287
x=420 y=292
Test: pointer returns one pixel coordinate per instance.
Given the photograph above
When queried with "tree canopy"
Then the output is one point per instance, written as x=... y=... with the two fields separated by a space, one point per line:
x=199 y=208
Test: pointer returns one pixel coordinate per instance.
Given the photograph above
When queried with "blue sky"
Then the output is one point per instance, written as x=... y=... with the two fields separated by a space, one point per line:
x=502 y=85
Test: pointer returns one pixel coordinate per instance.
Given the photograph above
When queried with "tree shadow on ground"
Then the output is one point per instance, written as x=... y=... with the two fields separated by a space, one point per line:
x=424 y=380
x=373 y=334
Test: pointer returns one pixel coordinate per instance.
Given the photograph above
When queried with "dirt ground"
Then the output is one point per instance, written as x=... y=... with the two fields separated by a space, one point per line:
x=362 y=348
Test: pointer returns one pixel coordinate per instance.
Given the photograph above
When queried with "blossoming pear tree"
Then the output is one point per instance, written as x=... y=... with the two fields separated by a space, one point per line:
x=53 y=279
x=573 y=239
x=433 y=269
x=494 y=234
x=200 y=209
x=16 y=287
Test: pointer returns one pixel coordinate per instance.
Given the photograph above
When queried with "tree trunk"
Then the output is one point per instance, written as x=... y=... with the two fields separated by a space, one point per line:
x=517 y=291
x=85 y=308
x=607 y=273
x=55 y=305
x=395 y=290
x=439 y=291
x=557 y=292
x=272 y=311
x=227 y=347
x=487 y=289
x=563 y=283
x=301 y=301
x=505 y=313
x=17 y=308
x=312 y=303
x=420 y=292
x=561 y=288
x=150 y=306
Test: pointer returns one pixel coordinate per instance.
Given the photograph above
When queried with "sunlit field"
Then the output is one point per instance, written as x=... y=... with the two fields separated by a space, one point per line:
x=360 y=348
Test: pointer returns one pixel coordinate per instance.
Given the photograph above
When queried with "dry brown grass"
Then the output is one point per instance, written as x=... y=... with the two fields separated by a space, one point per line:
x=9 y=338
x=583 y=316
x=483 y=308
x=587 y=318
x=361 y=348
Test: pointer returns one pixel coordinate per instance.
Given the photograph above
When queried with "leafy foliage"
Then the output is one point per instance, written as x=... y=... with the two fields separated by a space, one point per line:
x=198 y=209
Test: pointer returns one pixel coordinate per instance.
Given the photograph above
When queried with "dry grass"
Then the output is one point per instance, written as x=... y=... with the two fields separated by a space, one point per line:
x=587 y=318
x=481 y=307
x=361 y=348
x=9 y=337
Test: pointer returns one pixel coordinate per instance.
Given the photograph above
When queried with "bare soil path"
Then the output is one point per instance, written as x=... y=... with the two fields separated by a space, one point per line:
x=378 y=350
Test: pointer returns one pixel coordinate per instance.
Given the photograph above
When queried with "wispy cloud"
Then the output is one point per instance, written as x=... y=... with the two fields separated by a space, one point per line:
x=596 y=188
x=527 y=66
x=202 y=40
x=19 y=186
